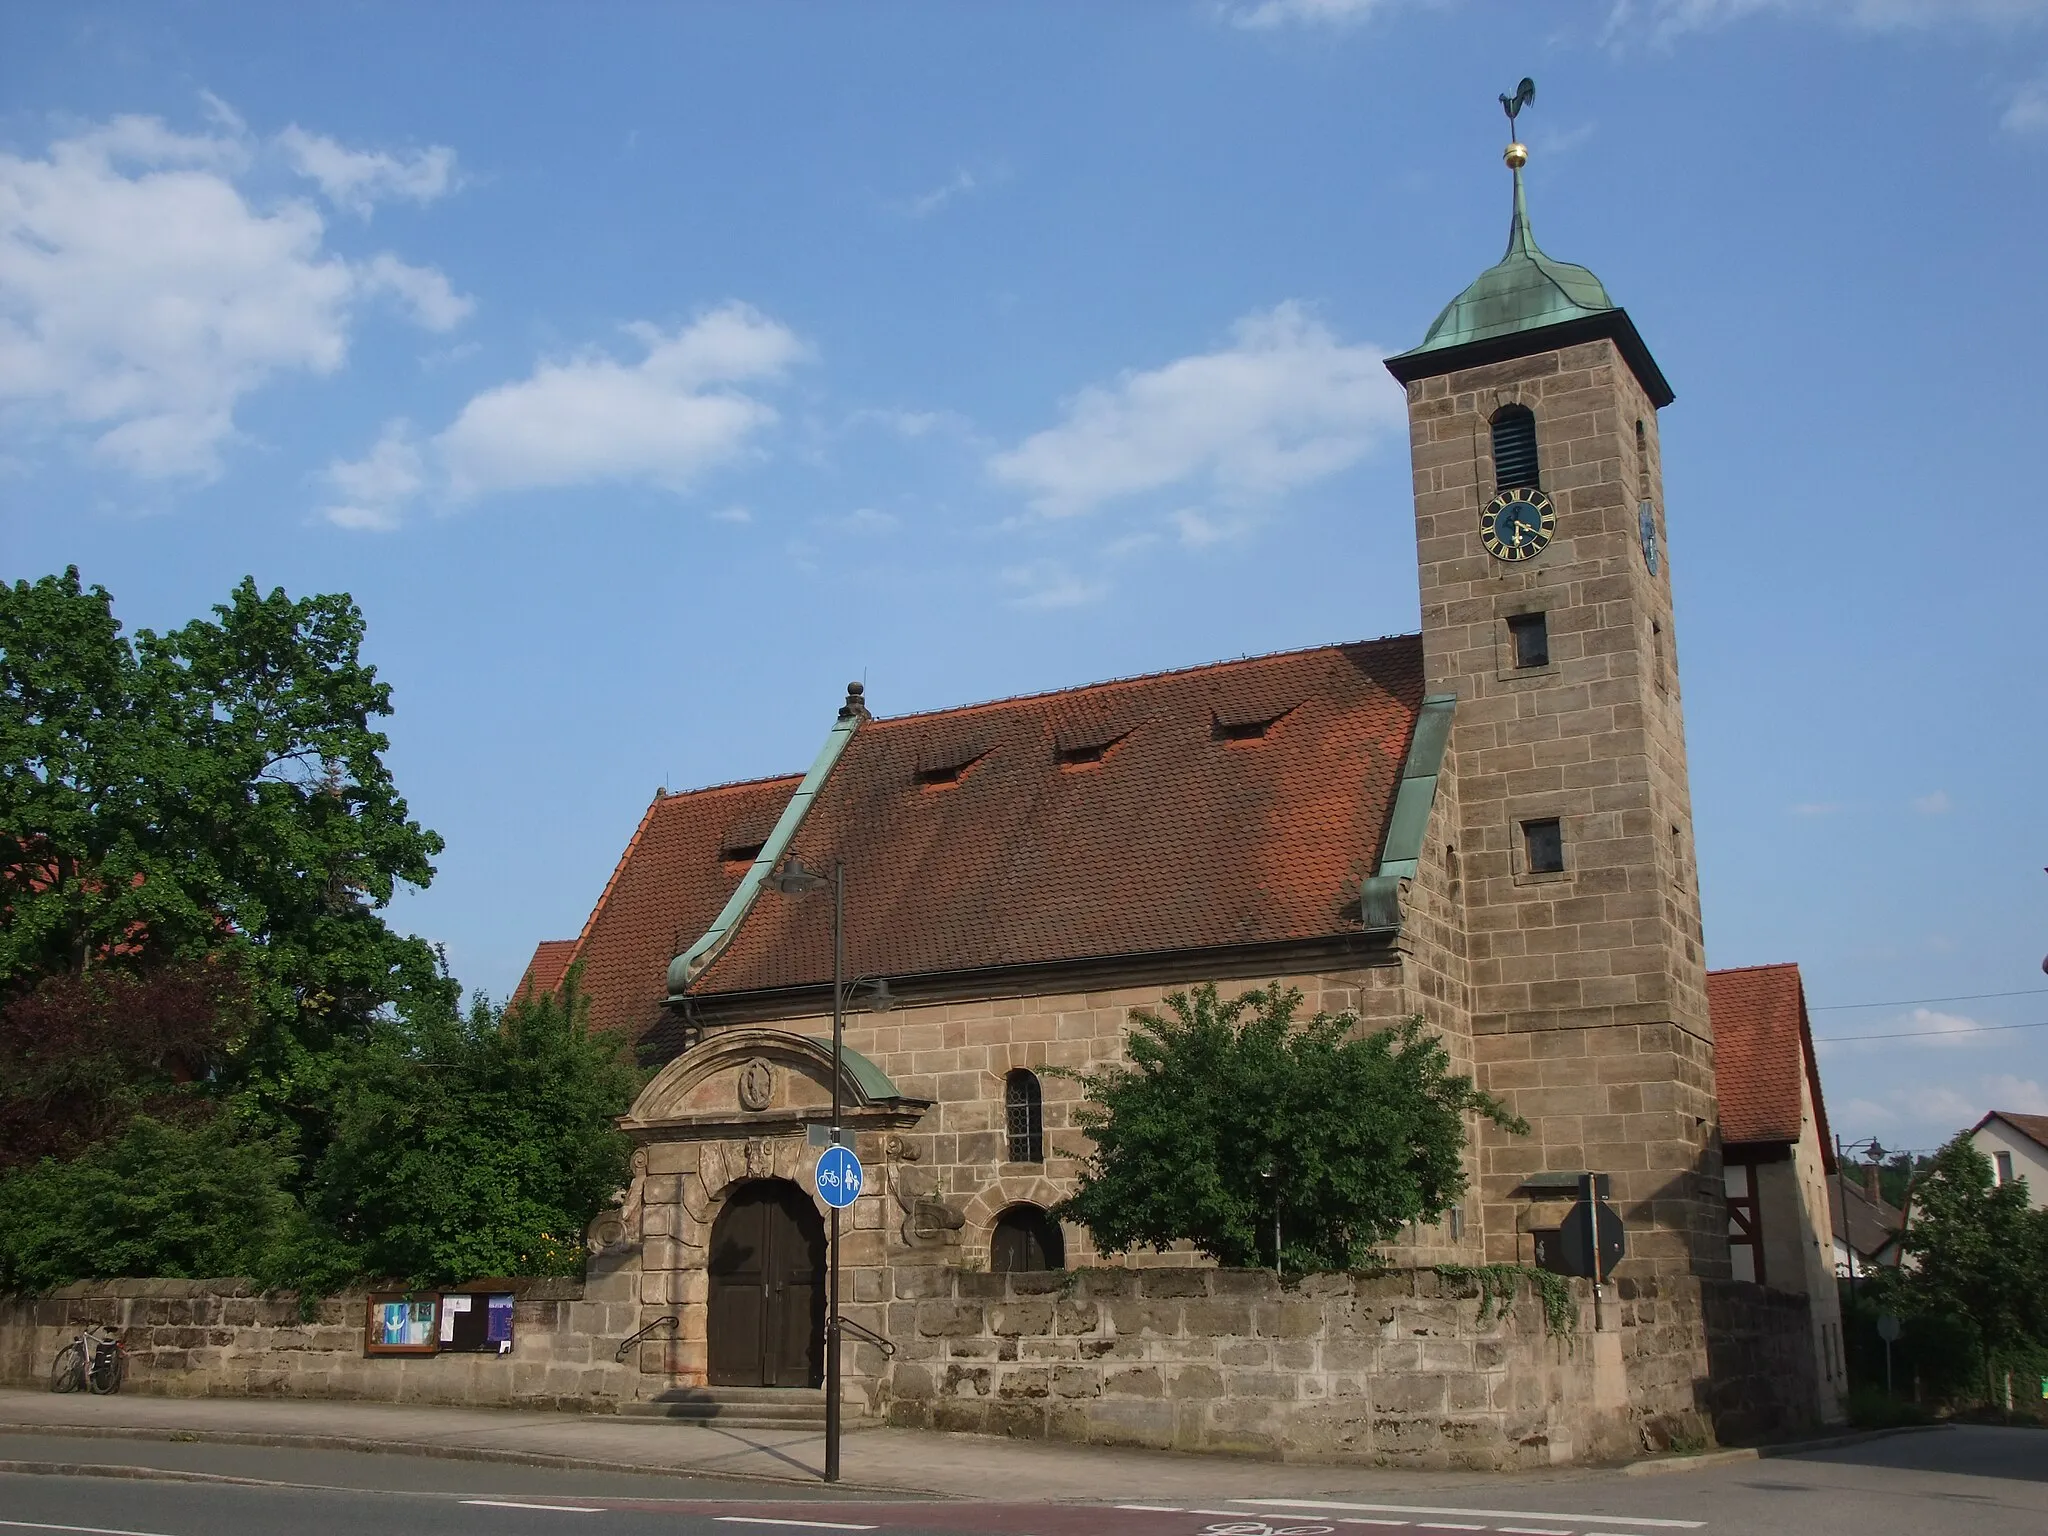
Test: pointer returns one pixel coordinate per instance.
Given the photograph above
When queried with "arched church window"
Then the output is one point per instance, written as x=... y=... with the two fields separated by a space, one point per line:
x=1026 y=1240
x=1514 y=448
x=1025 y=1110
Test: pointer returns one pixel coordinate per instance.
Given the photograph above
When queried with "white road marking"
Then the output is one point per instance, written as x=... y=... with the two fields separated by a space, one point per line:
x=560 y=1509
x=1433 y=1525
x=1152 y=1509
x=91 y=1530
x=809 y=1525
x=1532 y=1530
x=1355 y=1520
x=1493 y=1514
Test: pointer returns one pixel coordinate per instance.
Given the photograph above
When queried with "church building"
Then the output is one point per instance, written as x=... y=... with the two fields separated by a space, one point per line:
x=1487 y=824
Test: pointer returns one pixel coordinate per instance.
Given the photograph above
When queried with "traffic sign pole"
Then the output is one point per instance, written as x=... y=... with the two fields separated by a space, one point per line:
x=835 y=1151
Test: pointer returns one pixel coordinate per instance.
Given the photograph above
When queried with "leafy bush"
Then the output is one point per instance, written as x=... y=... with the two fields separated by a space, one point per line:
x=475 y=1145
x=181 y=1201
x=1229 y=1110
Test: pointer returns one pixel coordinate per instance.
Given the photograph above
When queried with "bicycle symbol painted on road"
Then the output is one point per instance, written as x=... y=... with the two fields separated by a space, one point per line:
x=1261 y=1528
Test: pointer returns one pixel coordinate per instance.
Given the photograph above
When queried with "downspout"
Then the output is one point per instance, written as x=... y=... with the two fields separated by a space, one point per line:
x=694 y=961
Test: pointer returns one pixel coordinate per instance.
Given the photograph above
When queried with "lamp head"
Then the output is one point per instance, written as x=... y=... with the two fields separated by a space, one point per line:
x=795 y=878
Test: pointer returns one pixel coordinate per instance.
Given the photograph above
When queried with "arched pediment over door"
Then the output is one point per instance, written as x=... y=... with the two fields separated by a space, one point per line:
x=765 y=1082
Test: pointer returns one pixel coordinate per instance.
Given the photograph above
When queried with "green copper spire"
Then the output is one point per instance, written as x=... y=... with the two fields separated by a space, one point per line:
x=1526 y=303
x=1524 y=291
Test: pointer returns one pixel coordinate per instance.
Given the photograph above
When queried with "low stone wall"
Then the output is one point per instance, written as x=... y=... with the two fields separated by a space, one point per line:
x=205 y=1338
x=1397 y=1369
x=1762 y=1381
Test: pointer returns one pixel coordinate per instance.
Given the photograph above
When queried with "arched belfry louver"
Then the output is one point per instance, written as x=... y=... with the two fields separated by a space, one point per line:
x=1514 y=448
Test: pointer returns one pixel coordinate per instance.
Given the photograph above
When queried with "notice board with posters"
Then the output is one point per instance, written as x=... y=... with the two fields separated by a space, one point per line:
x=477 y=1322
x=402 y=1324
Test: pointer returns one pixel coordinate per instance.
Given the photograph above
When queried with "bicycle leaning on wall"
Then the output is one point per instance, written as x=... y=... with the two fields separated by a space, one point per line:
x=95 y=1361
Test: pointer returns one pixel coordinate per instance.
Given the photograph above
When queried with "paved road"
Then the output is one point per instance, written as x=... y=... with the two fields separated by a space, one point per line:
x=1963 y=1480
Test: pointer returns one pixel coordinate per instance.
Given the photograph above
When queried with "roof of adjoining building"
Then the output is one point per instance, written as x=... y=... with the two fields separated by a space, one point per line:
x=1763 y=1050
x=544 y=972
x=2033 y=1127
x=1227 y=805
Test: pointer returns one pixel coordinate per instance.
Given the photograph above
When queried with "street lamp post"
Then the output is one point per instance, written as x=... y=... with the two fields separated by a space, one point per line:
x=794 y=879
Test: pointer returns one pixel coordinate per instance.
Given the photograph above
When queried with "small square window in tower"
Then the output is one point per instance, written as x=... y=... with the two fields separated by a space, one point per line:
x=1025 y=1114
x=1543 y=841
x=1530 y=636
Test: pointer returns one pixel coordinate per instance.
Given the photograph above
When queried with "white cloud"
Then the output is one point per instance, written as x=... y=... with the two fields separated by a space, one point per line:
x=931 y=202
x=1049 y=584
x=863 y=522
x=373 y=492
x=1816 y=808
x=142 y=294
x=357 y=180
x=2027 y=112
x=1936 y=804
x=434 y=305
x=732 y=515
x=664 y=419
x=2018 y=1095
x=1199 y=530
x=1667 y=18
x=1283 y=405
x=1268 y=14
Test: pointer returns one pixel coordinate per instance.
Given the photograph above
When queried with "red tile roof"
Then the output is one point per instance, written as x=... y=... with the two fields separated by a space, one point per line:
x=544 y=972
x=1117 y=819
x=669 y=884
x=1763 y=1048
x=1224 y=805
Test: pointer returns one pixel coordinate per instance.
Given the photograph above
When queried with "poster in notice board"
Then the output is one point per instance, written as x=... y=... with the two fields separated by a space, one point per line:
x=399 y=1324
x=477 y=1322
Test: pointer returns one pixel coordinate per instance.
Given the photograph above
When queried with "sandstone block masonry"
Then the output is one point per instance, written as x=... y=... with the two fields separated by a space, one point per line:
x=219 y=1338
x=1587 y=993
x=1405 y=1369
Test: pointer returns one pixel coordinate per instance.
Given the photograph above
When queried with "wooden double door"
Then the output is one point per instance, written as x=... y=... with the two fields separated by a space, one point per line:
x=766 y=1320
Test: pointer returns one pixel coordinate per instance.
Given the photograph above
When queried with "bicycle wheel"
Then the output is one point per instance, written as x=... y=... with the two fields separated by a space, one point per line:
x=67 y=1371
x=109 y=1365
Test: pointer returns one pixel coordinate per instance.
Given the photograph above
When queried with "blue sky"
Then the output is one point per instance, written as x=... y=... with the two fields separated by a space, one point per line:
x=646 y=372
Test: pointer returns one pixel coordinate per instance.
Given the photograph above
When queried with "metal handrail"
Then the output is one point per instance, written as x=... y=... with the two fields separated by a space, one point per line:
x=669 y=1321
x=848 y=1325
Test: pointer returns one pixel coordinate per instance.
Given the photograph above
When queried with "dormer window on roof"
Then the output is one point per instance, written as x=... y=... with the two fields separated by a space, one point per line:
x=941 y=775
x=1256 y=728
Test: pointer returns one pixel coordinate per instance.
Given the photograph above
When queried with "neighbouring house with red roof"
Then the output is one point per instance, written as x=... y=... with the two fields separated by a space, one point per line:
x=1487 y=824
x=1777 y=1154
x=2017 y=1145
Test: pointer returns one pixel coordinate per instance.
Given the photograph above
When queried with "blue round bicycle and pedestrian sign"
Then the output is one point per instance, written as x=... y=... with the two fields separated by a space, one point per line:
x=839 y=1177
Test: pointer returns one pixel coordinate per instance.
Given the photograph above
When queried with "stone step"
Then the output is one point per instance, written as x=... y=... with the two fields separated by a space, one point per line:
x=738 y=1407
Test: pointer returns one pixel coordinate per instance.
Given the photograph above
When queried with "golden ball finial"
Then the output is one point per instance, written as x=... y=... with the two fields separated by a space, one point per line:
x=1516 y=155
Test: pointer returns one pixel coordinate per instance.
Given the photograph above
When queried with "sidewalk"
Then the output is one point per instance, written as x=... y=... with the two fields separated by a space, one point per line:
x=897 y=1460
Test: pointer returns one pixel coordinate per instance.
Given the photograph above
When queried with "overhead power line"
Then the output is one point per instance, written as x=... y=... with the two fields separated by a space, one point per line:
x=1908 y=1002
x=1932 y=1034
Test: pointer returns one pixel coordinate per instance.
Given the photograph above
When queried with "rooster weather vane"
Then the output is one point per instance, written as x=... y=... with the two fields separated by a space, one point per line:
x=1525 y=93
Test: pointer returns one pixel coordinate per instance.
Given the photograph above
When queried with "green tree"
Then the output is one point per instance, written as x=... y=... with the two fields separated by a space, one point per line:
x=478 y=1144
x=1980 y=1280
x=83 y=1054
x=216 y=791
x=1226 y=1110
x=196 y=1201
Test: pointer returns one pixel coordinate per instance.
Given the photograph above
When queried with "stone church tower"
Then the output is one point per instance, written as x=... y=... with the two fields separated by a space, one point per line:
x=1546 y=610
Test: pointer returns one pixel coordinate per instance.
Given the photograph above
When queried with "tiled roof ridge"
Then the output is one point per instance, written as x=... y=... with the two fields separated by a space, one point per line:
x=722 y=787
x=1768 y=965
x=2033 y=1127
x=1133 y=679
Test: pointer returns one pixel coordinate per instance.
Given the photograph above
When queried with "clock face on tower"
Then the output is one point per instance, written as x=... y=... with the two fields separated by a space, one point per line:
x=1518 y=524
